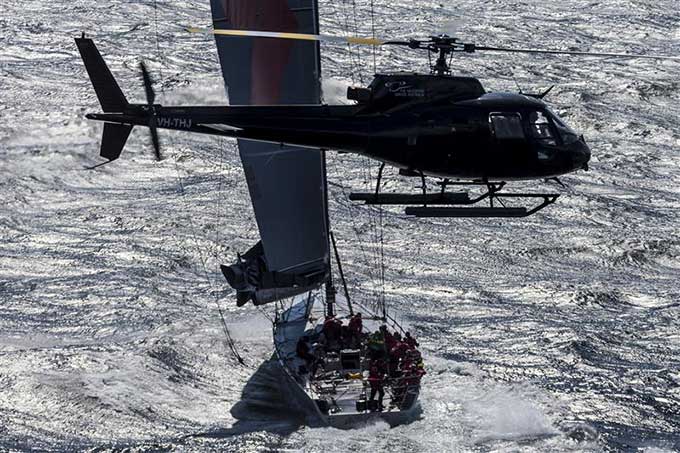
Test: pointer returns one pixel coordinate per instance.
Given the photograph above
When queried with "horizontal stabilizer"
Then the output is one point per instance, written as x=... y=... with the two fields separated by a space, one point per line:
x=113 y=140
x=108 y=92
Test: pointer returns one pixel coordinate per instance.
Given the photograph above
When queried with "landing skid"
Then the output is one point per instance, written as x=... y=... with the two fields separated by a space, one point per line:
x=444 y=202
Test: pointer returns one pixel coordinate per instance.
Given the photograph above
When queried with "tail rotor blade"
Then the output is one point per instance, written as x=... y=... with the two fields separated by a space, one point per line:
x=150 y=98
x=154 y=137
x=148 y=85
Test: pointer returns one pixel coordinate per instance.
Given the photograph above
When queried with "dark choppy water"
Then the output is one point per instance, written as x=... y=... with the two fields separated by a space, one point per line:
x=556 y=333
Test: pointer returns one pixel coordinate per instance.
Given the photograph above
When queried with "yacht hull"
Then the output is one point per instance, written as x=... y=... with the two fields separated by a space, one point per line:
x=300 y=391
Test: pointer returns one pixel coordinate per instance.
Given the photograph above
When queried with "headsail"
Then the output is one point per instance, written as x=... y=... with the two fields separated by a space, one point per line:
x=286 y=184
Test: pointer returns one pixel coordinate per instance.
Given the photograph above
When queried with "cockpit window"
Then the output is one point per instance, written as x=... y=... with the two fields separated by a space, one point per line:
x=541 y=129
x=568 y=135
x=506 y=126
x=559 y=121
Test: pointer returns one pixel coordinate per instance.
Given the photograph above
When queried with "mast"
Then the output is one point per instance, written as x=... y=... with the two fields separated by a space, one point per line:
x=342 y=275
x=330 y=287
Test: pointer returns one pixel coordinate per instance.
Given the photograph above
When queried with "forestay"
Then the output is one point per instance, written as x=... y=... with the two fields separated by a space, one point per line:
x=286 y=184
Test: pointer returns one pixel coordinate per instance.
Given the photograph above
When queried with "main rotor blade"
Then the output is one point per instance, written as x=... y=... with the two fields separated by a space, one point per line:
x=297 y=36
x=429 y=44
x=576 y=53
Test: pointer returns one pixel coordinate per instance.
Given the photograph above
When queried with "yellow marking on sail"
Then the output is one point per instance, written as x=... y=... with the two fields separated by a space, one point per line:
x=283 y=35
x=297 y=36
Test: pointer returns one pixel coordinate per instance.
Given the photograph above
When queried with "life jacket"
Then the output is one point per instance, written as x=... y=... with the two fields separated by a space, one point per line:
x=376 y=342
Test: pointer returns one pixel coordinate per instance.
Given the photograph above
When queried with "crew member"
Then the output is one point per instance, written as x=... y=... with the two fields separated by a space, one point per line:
x=408 y=384
x=356 y=324
x=376 y=378
x=332 y=329
x=397 y=355
x=303 y=351
x=355 y=328
x=376 y=345
x=388 y=337
x=410 y=341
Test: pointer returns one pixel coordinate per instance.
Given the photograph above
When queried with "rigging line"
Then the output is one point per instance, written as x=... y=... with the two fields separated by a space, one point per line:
x=372 y=261
x=382 y=262
x=266 y=315
x=376 y=241
x=220 y=177
x=346 y=31
x=373 y=36
x=352 y=216
x=356 y=33
x=158 y=45
x=354 y=52
x=230 y=340
x=381 y=252
x=368 y=177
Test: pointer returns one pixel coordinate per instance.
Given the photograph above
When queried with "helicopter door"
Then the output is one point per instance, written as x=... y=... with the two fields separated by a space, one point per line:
x=512 y=147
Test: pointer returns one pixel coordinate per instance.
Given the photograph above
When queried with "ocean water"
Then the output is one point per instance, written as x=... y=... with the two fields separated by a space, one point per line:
x=560 y=332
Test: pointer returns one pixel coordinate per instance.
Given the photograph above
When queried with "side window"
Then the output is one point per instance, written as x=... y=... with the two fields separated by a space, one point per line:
x=506 y=126
x=540 y=128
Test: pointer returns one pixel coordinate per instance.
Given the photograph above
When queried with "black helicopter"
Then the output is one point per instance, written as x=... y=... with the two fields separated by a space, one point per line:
x=432 y=124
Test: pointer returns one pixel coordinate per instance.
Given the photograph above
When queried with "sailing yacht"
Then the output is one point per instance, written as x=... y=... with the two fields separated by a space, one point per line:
x=337 y=392
x=331 y=379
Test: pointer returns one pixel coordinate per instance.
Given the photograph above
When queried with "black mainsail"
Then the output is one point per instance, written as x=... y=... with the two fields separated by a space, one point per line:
x=286 y=184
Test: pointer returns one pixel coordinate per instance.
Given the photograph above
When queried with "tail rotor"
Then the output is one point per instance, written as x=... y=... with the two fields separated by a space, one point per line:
x=150 y=99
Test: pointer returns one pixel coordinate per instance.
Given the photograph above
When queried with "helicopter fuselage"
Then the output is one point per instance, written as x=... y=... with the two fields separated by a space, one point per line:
x=434 y=125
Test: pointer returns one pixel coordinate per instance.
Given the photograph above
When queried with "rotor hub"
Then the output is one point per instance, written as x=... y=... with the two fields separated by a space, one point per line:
x=444 y=46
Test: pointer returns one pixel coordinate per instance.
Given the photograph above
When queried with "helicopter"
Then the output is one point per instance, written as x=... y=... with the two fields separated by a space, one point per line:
x=426 y=125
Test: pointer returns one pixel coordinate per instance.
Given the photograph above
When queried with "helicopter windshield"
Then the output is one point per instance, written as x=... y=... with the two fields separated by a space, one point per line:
x=568 y=134
x=541 y=129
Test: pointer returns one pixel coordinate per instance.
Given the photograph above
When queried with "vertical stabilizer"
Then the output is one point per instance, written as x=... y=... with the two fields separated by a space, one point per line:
x=108 y=92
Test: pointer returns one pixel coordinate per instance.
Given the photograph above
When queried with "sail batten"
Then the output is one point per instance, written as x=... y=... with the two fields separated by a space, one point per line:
x=285 y=183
